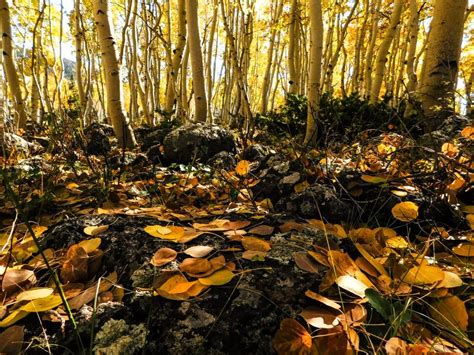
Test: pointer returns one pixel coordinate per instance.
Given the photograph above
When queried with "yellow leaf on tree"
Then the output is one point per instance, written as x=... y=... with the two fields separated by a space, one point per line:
x=405 y=211
x=423 y=275
x=218 y=278
x=451 y=312
x=242 y=168
x=95 y=230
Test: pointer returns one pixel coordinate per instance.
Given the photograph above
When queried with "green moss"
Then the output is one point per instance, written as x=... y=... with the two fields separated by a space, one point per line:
x=116 y=337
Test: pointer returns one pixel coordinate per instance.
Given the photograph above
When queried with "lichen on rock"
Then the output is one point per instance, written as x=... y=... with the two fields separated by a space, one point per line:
x=116 y=337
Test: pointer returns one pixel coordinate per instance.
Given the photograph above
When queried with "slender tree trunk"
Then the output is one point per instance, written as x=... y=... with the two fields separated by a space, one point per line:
x=315 y=61
x=381 y=59
x=78 y=35
x=369 y=59
x=113 y=86
x=209 y=76
x=293 y=44
x=442 y=60
x=9 y=65
x=469 y=110
x=197 y=66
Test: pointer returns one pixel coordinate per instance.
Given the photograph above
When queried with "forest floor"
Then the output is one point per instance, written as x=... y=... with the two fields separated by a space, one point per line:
x=267 y=247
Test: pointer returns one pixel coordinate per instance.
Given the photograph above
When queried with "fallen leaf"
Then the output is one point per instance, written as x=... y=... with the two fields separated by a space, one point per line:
x=451 y=312
x=423 y=274
x=242 y=168
x=405 y=211
x=451 y=280
x=464 y=249
x=90 y=245
x=320 y=318
x=306 y=263
x=163 y=256
x=292 y=338
x=396 y=346
x=352 y=285
x=468 y=132
x=254 y=255
x=95 y=230
x=170 y=233
x=324 y=300
x=218 y=278
x=198 y=251
x=262 y=230
x=12 y=318
x=256 y=244
x=195 y=265
x=11 y=340
x=15 y=279
x=42 y=304
x=34 y=293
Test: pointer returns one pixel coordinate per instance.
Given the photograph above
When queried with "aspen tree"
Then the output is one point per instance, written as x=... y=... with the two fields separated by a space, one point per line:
x=371 y=49
x=113 y=88
x=442 y=60
x=9 y=65
x=78 y=35
x=413 y=40
x=469 y=110
x=210 y=45
x=315 y=59
x=293 y=57
x=197 y=67
x=383 y=51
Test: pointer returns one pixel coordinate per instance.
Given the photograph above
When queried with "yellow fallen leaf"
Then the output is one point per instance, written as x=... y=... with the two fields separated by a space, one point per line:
x=468 y=132
x=34 y=293
x=451 y=312
x=464 y=249
x=90 y=245
x=218 y=278
x=451 y=280
x=42 y=304
x=397 y=243
x=171 y=233
x=255 y=244
x=12 y=318
x=242 y=168
x=423 y=275
x=95 y=230
x=374 y=179
x=405 y=211
x=377 y=265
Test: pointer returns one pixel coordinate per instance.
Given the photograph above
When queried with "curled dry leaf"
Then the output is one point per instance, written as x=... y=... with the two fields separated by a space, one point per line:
x=198 y=251
x=17 y=278
x=292 y=338
x=163 y=256
x=324 y=300
x=405 y=211
x=320 y=318
x=75 y=267
x=352 y=285
x=95 y=230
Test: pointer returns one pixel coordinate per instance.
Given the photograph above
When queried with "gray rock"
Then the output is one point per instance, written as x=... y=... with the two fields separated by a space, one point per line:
x=10 y=143
x=317 y=200
x=197 y=142
x=97 y=139
x=222 y=160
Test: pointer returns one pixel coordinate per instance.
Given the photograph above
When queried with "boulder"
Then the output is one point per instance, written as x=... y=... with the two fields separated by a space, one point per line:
x=197 y=142
x=223 y=160
x=97 y=139
x=11 y=143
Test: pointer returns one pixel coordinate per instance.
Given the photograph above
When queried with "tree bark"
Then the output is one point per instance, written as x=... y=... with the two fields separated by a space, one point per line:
x=113 y=87
x=442 y=60
x=9 y=65
x=381 y=59
x=197 y=67
x=315 y=61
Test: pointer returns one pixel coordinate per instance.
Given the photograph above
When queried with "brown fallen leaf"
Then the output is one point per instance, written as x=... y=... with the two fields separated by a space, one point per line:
x=256 y=244
x=163 y=256
x=11 y=340
x=195 y=265
x=292 y=338
x=451 y=312
x=14 y=279
x=262 y=230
